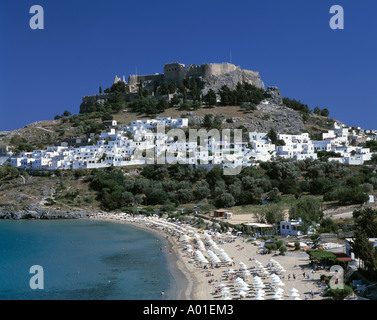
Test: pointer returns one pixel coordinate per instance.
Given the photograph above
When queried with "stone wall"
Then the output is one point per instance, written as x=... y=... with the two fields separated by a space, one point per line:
x=213 y=75
x=134 y=80
x=216 y=69
x=174 y=72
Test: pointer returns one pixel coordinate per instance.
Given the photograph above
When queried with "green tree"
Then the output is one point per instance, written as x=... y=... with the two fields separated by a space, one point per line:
x=226 y=200
x=325 y=112
x=155 y=196
x=208 y=121
x=120 y=86
x=283 y=250
x=165 y=88
x=175 y=100
x=272 y=214
x=340 y=294
x=296 y=105
x=308 y=209
x=272 y=135
x=210 y=98
x=227 y=96
x=172 y=87
x=66 y=113
x=162 y=105
x=202 y=190
x=319 y=186
x=317 y=111
x=128 y=198
x=328 y=225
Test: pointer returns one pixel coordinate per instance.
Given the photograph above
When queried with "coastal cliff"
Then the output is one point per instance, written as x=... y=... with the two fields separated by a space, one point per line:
x=15 y=212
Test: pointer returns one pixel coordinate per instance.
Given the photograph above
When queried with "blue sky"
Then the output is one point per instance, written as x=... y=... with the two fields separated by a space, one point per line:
x=86 y=43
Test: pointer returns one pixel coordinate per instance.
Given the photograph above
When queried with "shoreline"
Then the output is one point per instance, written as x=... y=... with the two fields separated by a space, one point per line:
x=195 y=280
x=184 y=280
x=196 y=275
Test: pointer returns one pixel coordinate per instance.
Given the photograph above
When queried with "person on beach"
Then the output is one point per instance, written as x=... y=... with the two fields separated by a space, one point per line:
x=289 y=277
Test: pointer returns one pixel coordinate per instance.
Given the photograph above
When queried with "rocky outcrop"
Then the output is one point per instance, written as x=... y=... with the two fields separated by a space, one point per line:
x=268 y=115
x=14 y=212
x=231 y=79
x=273 y=96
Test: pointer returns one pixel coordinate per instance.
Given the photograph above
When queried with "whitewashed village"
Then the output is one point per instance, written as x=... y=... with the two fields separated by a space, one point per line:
x=140 y=144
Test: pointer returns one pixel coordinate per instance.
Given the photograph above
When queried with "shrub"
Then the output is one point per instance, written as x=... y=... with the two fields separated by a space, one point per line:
x=283 y=250
x=339 y=294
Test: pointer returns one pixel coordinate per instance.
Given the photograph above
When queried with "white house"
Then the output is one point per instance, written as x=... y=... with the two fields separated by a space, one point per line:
x=292 y=227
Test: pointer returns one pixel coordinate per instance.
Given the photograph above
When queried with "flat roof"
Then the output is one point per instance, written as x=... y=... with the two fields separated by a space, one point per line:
x=342 y=256
x=258 y=225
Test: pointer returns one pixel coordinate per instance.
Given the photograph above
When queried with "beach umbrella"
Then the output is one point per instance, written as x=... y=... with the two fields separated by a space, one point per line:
x=293 y=290
x=261 y=292
x=278 y=283
x=275 y=277
x=245 y=273
x=242 y=266
x=259 y=297
x=242 y=293
x=259 y=285
x=241 y=283
x=230 y=271
x=294 y=294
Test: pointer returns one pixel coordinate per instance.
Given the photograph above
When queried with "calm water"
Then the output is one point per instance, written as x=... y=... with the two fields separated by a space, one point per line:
x=82 y=260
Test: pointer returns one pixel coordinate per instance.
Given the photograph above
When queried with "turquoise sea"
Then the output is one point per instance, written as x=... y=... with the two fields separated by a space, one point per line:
x=83 y=260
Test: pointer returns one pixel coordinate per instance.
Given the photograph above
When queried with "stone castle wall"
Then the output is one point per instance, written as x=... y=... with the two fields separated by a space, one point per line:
x=133 y=79
x=216 y=69
x=214 y=75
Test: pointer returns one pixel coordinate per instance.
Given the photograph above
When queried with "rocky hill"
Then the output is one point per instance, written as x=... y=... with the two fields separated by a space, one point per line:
x=230 y=79
x=271 y=112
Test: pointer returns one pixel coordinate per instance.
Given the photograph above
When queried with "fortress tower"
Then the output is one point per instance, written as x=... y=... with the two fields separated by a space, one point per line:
x=175 y=72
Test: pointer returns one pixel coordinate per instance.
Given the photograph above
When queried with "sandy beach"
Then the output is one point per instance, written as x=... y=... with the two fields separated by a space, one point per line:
x=235 y=279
